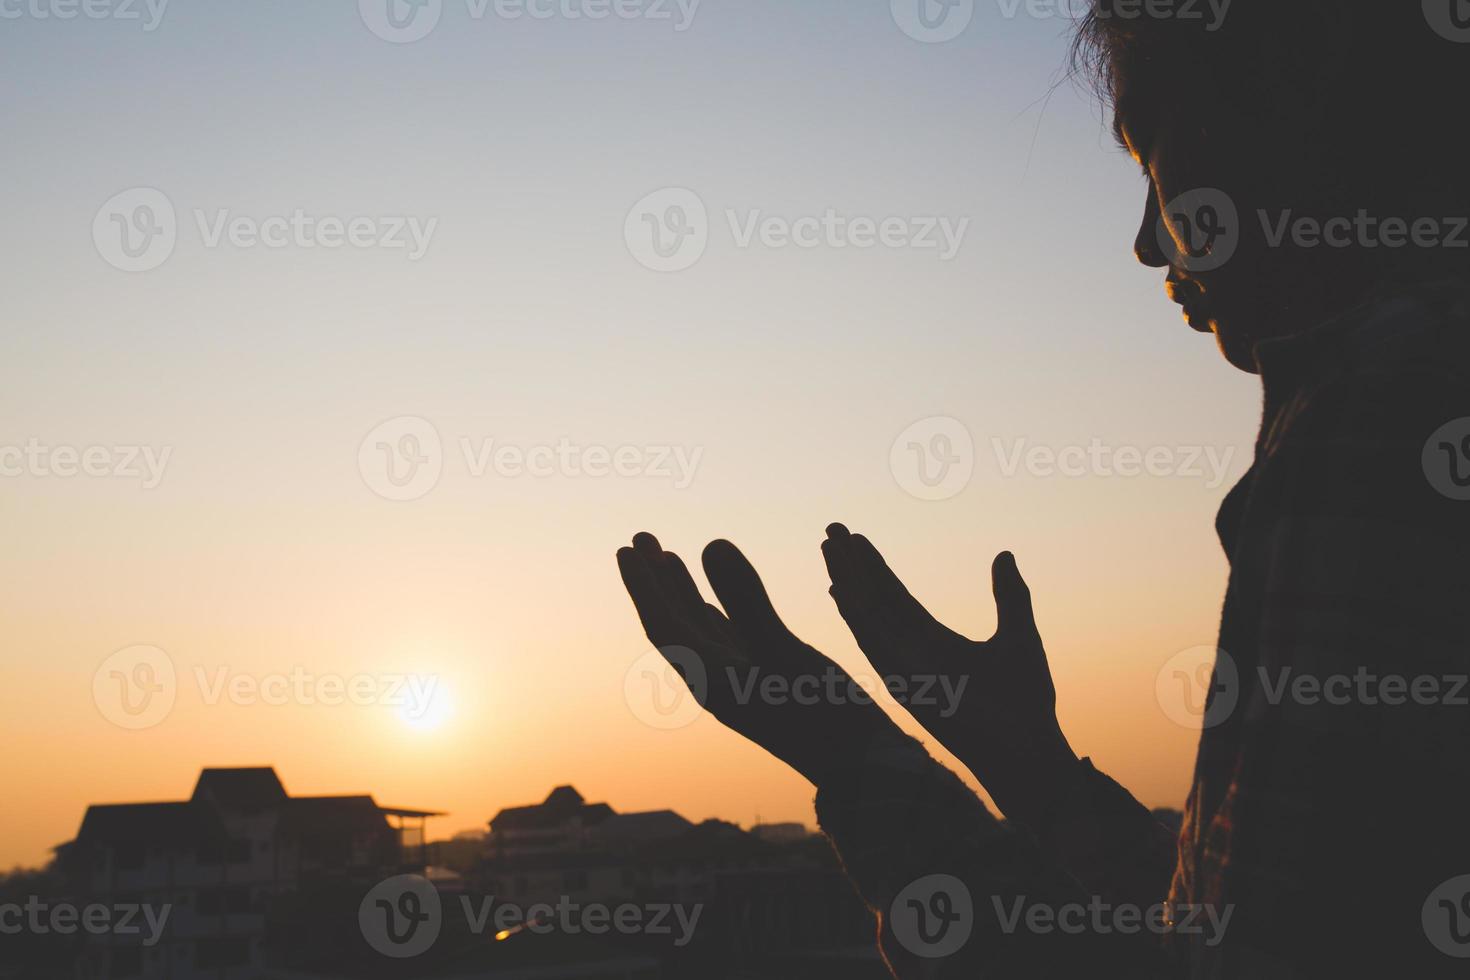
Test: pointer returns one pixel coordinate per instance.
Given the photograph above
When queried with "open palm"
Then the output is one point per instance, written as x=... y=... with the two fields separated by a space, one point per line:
x=992 y=703
x=753 y=674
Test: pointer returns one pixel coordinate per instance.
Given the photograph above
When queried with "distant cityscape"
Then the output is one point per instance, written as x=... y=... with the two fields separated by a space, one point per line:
x=243 y=881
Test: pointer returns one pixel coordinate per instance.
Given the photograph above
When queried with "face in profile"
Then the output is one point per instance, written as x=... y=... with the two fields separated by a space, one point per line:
x=1197 y=225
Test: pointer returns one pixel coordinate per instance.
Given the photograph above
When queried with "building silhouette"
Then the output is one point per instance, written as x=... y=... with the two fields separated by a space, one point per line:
x=219 y=861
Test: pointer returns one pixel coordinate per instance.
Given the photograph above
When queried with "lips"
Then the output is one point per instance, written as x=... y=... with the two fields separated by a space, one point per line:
x=1188 y=294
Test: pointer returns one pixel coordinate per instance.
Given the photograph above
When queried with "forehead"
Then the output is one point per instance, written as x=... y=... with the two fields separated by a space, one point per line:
x=1149 y=89
x=1137 y=116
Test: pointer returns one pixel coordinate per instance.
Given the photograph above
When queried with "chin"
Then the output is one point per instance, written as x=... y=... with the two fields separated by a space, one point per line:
x=1238 y=347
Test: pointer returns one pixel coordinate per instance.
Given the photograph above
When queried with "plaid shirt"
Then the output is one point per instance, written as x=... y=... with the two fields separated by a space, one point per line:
x=1329 y=800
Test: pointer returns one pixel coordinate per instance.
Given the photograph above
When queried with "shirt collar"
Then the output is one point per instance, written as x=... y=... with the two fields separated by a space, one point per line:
x=1285 y=362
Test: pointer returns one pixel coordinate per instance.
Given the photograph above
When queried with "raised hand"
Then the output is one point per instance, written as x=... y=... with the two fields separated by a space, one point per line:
x=1003 y=722
x=757 y=677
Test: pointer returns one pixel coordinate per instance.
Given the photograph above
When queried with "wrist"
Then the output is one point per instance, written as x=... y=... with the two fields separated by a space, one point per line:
x=875 y=743
x=1051 y=792
x=1031 y=787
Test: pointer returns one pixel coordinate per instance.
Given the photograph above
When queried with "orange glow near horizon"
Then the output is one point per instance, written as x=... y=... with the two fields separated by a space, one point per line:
x=376 y=470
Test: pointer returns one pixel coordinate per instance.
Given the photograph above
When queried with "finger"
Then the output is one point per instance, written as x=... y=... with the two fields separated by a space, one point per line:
x=674 y=581
x=888 y=592
x=742 y=593
x=647 y=545
x=853 y=597
x=674 y=576
x=842 y=568
x=872 y=635
x=660 y=624
x=1013 y=613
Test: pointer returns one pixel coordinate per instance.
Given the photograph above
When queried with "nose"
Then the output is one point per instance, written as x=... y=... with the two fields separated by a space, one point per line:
x=1146 y=246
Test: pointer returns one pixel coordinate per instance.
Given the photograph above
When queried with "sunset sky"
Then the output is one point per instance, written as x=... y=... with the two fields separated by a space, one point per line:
x=785 y=374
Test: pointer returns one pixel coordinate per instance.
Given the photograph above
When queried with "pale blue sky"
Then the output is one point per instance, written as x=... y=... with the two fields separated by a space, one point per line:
x=528 y=321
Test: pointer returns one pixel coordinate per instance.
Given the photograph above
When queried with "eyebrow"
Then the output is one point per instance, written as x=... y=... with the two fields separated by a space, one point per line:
x=1120 y=135
x=1138 y=146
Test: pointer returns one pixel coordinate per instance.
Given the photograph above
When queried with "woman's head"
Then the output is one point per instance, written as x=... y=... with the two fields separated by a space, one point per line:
x=1289 y=144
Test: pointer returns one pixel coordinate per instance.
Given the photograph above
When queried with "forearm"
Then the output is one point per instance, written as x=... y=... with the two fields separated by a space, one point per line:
x=1083 y=820
x=918 y=844
x=1095 y=829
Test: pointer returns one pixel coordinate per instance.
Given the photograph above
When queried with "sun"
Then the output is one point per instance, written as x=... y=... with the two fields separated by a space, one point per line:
x=429 y=712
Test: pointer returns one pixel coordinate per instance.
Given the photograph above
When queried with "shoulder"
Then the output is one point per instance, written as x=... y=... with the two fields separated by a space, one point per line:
x=1393 y=375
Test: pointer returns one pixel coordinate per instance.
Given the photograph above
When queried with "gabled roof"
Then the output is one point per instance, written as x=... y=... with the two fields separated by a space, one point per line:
x=638 y=827
x=147 y=823
x=564 y=804
x=564 y=796
x=221 y=793
x=331 y=814
x=242 y=790
x=710 y=840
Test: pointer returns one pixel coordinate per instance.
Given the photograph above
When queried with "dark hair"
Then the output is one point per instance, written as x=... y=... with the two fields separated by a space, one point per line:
x=1374 y=88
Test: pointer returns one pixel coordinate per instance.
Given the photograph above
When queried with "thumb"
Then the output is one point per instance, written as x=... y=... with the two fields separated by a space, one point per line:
x=1012 y=597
